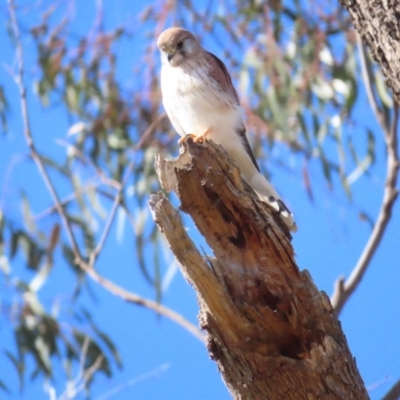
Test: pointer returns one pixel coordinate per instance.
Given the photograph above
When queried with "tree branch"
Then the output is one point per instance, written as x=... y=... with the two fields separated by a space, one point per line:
x=343 y=290
x=144 y=138
x=367 y=79
x=80 y=382
x=19 y=78
x=134 y=298
x=377 y=22
x=68 y=199
x=266 y=321
x=156 y=372
x=117 y=201
x=393 y=393
x=110 y=286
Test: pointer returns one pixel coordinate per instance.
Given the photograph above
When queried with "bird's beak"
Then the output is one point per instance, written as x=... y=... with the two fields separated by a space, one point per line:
x=170 y=56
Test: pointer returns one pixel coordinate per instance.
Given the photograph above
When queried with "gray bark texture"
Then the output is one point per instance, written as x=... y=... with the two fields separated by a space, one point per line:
x=271 y=332
x=378 y=24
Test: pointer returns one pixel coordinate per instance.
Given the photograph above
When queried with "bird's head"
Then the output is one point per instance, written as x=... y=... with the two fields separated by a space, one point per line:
x=176 y=44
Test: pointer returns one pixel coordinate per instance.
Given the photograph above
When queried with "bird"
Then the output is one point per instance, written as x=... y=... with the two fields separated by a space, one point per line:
x=200 y=100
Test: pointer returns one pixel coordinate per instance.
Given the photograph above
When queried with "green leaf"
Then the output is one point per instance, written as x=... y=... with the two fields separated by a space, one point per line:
x=4 y=387
x=322 y=132
x=42 y=353
x=326 y=169
x=371 y=146
x=14 y=243
x=303 y=126
x=19 y=366
x=4 y=109
x=93 y=352
x=322 y=89
x=346 y=188
x=382 y=89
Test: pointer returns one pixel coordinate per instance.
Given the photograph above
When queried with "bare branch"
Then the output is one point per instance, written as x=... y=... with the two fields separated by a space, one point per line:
x=149 y=131
x=91 y=370
x=85 y=160
x=344 y=289
x=394 y=392
x=153 y=373
x=84 y=350
x=84 y=375
x=376 y=22
x=68 y=199
x=110 y=286
x=367 y=78
x=141 y=301
x=19 y=78
x=265 y=319
x=117 y=202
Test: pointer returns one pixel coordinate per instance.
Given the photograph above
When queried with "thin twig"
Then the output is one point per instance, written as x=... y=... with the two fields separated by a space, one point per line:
x=149 y=131
x=80 y=382
x=141 y=301
x=74 y=387
x=19 y=78
x=79 y=154
x=367 y=78
x=68 y=199
x=117 y=201
x=97 y=250
x=153 y=373
x=394 y=392
x=82 y=358
x=91 y=370
x=74 y=195
x=344 y=289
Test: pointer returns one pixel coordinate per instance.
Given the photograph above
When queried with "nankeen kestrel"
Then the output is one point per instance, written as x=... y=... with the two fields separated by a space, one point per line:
x=200 y=100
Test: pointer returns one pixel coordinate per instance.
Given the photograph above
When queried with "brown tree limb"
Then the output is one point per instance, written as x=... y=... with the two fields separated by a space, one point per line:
x=73 y=196
x=393 y=393
x=344 y=289
x=271 y=332
x=378 y=23
x=86 y=267
x=19 y=79
x=367 y=79
x=85 y=374
x=145 y=137
x=117 y=201
x=134 y=298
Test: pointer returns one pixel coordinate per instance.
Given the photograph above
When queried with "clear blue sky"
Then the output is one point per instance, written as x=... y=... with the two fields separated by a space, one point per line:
x=328 y=244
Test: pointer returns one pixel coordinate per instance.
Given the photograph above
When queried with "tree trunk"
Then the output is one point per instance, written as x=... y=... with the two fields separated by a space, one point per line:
x=378 y=23
x=271 y=332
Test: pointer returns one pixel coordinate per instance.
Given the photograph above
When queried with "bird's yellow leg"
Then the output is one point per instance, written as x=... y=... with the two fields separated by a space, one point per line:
x=184 y=138
x=202 y=138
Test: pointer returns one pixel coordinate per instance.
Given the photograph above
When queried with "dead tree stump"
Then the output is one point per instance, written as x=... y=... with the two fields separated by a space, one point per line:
x=269 y=329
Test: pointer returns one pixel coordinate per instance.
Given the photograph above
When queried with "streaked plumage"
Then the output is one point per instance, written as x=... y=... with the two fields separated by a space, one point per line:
x=199 y=98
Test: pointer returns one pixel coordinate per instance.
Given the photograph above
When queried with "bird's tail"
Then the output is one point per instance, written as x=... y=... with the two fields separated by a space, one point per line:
x=268 y=194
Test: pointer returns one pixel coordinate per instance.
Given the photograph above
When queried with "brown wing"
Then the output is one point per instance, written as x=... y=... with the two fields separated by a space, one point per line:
x=224 y=79
x=242 y=133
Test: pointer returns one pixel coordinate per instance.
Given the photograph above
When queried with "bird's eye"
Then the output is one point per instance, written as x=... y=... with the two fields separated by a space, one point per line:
x=179 y=45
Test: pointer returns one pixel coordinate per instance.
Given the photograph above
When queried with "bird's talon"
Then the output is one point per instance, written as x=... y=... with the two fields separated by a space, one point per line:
x=203 y=137
x=198 y=139
x=185 y=138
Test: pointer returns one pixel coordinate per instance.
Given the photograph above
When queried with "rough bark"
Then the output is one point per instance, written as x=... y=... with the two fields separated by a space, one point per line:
x=271 y=332
x=378 y=23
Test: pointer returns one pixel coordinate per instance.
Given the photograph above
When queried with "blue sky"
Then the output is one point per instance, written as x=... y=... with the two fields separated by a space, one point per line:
x=161 y=360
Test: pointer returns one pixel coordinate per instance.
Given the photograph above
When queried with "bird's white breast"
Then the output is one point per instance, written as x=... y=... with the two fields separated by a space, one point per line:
x=195 y=102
